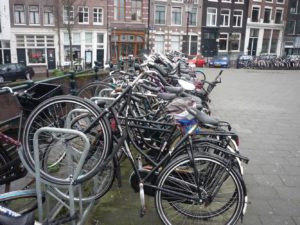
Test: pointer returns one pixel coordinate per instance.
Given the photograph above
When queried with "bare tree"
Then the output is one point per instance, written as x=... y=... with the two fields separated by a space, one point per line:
x=69 y=16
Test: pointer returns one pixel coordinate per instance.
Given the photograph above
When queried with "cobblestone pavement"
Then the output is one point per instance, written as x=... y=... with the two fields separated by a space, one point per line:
x=264 y=109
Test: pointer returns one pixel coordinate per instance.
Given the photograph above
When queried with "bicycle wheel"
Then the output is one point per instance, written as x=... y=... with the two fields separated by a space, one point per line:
x=94 y=89
x=21 y=202
x=63 y=150
x=222 y=196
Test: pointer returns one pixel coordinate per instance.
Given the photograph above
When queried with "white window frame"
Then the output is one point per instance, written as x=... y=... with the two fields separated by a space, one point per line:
x=36 y=15
x=51 y=14
x=295 y=23
x=259 y=12
x=155 y=14
x=210 y=23
x=240 y=36
x=279 y=9
x=65 y=16
x=81 y=9
x=240 y=16
x=226 y=50
x=180 y=16
x=225 y=15
x=177 y=42
x=190 y=25
x=178 y=1
x=24 y=16
x=270 y=17
x=226 y=1
x=280 y=2
x=239 y=2
x=269 y=1
x=97 y=13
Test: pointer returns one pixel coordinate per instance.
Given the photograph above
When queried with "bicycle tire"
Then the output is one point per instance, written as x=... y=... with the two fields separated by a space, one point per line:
x=178 y=176
x=93 y=89
x=52 y=113
x=22 y=202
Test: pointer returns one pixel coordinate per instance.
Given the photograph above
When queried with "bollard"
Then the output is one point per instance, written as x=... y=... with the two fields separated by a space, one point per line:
x=73 y=83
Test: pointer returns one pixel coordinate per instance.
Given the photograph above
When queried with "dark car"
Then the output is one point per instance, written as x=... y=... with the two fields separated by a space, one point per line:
x=219 y=61
x=14 y=71
x=243 y=61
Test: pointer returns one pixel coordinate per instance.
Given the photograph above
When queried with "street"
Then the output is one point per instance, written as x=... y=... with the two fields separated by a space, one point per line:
x=263 y=107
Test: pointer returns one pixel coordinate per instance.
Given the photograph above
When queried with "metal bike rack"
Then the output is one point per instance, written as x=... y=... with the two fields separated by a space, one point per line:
x=84 y=210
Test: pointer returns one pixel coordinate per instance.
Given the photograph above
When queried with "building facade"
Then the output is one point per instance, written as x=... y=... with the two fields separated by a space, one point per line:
x=127 y=27
x=5 y=52
x=39 y=33
x=223 y=27
x=265 y=27
x=292 y=29
x=175 y=25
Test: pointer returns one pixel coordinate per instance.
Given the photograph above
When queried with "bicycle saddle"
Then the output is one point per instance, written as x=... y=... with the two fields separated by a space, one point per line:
x=175 y=90
x=167 y=96
x=26 y=219
x=203 y=117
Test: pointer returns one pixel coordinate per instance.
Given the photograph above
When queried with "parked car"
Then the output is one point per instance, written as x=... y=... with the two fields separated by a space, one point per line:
x=197 y=60
x=14 y=71
x=220 y=61
x=243 y=60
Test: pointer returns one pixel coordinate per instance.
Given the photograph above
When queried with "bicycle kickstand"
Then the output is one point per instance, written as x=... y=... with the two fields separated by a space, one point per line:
x=142 y=198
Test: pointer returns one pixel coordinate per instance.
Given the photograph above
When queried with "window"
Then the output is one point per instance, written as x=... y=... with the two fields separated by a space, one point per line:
x=36 y=56
x=83 y=14
x=298 y=27
x=294 y=6
x=239 y=1
x=226 y=1
x=255 y=14
x=119 y=9
x=159 y=43
x=19 y=14
x=68 y=14
x=280 y=1
x=88 y=37
x=278 y=15
x=211 y=19
x=100 y=40
x=34 y=15
x=269 y=1
x=194 y=45
x=235 y=39
x=76 y=38
x=176 y=15
x=0 y=26
x=237 y=18
x=193 y=17
x=48 y=15
x=267 y=15
x=290 y=27
x=225 y=15
x=136 y=10
x=266 y=41
x=175 y=42
x=98 y=15
x=160 y=14
x=274 y=41
x=223 y=42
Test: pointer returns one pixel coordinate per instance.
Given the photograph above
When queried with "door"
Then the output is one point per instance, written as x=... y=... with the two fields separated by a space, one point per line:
x=209 y=44
x=51 y=59
x=7 y=57
x=21 y=54
x=100 y=56
x=88 y=60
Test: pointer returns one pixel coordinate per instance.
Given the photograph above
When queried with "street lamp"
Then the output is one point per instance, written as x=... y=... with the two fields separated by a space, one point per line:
x=188 y=9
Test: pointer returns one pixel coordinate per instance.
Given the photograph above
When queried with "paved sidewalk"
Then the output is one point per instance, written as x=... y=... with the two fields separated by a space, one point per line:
x=264 y=109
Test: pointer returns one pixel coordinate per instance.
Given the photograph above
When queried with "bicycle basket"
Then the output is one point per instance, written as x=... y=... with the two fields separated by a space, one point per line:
x=33 y=96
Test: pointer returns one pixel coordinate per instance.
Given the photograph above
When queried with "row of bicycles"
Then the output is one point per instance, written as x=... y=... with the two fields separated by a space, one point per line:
x=157 y=115
x=271 y=62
